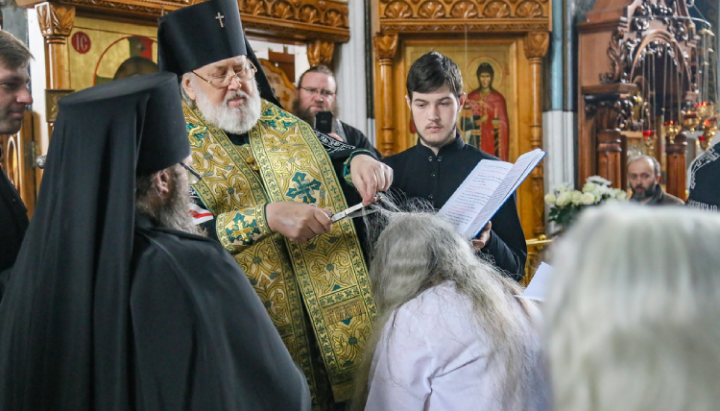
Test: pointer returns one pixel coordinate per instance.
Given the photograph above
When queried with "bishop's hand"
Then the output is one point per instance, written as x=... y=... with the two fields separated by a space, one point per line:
x=298 y=222
x=370 y=176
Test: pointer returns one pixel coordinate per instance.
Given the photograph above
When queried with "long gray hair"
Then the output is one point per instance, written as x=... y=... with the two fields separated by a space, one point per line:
x=417 y=251
x=632 y=312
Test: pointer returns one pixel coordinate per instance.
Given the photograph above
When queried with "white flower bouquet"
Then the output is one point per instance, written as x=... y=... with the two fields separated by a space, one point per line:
x=565 y=204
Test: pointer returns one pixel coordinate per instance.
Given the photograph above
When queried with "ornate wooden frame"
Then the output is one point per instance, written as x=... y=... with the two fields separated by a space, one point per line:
x=300 y=20
x=527 y=22
x=608 y=107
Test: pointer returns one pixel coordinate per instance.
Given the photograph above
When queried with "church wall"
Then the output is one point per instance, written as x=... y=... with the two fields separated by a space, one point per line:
x=350 y=72
x=15 y=21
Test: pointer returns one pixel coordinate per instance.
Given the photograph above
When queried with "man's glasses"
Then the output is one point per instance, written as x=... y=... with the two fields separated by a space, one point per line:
x=193 y=176
x=244 y=74
x=314 y=91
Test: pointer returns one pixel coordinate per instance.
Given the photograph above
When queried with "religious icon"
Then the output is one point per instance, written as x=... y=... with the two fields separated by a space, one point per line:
x=105 y=50
x=484 y=119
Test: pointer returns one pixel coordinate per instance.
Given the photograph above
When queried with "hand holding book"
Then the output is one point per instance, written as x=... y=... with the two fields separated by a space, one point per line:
x=485 y=190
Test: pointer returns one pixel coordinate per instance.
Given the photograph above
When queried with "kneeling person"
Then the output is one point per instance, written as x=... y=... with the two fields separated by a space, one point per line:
x=452 y=336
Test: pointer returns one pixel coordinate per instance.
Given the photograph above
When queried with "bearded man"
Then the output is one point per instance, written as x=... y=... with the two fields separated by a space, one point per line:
x=269 y=185
x=317 y=91
x=644 y=180
x=116 y=302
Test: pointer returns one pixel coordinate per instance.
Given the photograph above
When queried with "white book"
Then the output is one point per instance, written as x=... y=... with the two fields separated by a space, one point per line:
x=537 y=289
x=485 y=190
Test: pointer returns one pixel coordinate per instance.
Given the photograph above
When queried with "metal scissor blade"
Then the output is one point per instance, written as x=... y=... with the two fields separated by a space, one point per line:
x=360 y=213
x=344 y=213
x=355 y=211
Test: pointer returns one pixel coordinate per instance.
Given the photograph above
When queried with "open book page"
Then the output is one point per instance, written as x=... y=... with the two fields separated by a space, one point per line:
x=537 y=289
x=514 y=177
x=468 y=200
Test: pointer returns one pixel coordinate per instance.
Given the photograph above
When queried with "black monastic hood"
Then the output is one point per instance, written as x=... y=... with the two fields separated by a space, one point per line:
x=204 y=33
x=65 y=322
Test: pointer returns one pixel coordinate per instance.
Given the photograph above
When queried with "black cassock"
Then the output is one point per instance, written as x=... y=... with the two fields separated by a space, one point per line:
x=419 y=173
x=201 y=336
x=104 y=310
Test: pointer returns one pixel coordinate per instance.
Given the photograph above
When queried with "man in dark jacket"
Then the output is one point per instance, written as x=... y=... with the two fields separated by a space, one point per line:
x=317 y=91
x=644 y=180
x=438 y=164
x=14 y=97
x=116 y=303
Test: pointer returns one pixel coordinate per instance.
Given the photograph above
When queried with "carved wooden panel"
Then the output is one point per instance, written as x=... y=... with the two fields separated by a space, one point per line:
x=55 y=19
x=448 y=16
x=294 y=19
x=619 y=45
x=320 y=52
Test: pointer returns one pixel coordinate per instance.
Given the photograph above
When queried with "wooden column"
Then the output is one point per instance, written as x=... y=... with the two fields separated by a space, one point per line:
x=609 y=151
x=536 y=45
x=385 y=49
x=320 y=52
x=676 y=151
x=56 y=23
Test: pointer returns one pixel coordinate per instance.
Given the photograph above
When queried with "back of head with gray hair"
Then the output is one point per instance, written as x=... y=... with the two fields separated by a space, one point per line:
x=651 y=159
x=632 y=313
x=417 y=251
x=13 y=53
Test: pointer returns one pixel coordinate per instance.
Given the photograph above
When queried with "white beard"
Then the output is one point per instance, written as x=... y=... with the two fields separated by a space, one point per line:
x=236 y=120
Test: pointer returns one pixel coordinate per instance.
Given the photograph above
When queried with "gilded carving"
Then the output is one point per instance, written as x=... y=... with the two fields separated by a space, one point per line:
x=529 y=9
x=431 y=10
x=464 y=10
x=398 y=10
x=309 y=14
x=320 y=52
x=282 y=10
x=385 y=46
x=536 y=44
x=269 y=16
x=496 y=10
x=55 y=19
x=484 y=25
x=334 y=19
x=254 y=7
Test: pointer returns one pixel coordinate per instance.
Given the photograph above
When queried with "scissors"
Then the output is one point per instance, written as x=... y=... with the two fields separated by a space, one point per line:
x=355 y=211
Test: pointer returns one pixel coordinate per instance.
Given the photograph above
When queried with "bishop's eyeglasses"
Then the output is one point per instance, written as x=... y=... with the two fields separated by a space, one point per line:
x=193 y=176
x=244 y=74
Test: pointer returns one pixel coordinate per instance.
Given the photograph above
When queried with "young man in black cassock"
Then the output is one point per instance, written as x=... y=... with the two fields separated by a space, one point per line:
x=115 y=302
x=438 y=164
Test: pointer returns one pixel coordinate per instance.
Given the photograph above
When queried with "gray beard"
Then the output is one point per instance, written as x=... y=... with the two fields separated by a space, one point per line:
x=237 y=120
x=645 y=194
x=174 y=213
